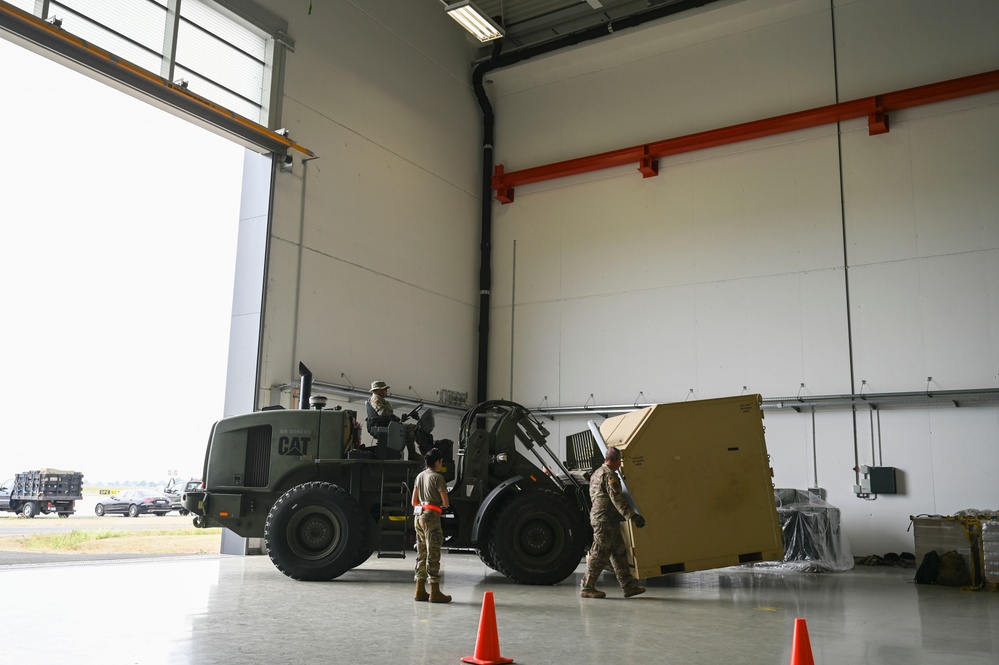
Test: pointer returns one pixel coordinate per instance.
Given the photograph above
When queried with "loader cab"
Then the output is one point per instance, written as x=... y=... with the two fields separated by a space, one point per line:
x=374 y=423
x=390 y=438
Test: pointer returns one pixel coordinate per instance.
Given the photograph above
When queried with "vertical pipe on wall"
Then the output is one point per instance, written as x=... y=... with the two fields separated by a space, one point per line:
x=815 y=455
x=298 y=277
x=485 y=241
x=874 y=457
x=846 y=261
x=513 y=305
x=881 y=456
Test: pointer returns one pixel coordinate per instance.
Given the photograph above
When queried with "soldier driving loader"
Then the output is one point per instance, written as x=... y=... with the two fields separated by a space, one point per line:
x=380 y=412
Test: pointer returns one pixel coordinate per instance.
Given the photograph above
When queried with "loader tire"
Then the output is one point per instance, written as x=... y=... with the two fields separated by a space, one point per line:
x=485 y=557
x=485 y=538
x=538 y=538
x=364 y=552
x=315 y=531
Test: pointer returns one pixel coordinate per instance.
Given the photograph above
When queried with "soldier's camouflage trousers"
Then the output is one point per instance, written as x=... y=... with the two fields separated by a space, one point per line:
x=608 y=545
x=429 y=538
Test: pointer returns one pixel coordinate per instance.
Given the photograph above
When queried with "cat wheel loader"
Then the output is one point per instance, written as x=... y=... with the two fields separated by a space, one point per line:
x=323 y=503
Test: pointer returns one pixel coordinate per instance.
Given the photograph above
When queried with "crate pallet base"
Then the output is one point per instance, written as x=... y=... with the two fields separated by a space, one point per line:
x=673 y=568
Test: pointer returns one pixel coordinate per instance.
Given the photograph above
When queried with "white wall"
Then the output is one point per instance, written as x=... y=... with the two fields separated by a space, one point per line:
x=374 y=246
x=751 y=264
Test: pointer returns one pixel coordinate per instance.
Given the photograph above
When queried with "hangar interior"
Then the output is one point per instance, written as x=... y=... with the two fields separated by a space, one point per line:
x=844 y=264
x=820 y=262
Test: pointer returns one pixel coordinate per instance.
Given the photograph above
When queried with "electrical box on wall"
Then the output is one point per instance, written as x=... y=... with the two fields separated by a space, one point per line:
x=876 y=480
x=883 y=480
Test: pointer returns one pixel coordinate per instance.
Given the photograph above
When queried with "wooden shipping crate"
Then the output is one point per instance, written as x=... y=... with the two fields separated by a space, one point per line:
x=699 y=473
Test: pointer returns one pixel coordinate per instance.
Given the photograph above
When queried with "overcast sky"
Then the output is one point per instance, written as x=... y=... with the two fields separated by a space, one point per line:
x=116 y=264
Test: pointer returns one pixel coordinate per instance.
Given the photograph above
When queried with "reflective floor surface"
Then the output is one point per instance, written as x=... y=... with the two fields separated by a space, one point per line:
x=234 y=610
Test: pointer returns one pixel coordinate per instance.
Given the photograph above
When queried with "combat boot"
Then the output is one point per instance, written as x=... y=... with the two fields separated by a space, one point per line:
x=421 y=592
x=435 y=594
x=633 y=590
x=591 y=593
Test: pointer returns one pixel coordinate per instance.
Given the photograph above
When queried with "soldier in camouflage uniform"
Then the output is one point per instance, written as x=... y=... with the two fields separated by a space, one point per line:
x=379 y=390
x=609 y=509
x=430 y=494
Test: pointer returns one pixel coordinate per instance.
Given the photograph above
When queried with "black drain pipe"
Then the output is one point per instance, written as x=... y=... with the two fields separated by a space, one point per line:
x=486 y=240
x=497 y=61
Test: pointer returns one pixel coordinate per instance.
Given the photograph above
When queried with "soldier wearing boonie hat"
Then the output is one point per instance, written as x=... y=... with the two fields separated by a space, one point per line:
x=379 y=389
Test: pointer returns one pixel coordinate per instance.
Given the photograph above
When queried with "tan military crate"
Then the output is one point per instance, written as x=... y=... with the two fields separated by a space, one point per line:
x=700 y=475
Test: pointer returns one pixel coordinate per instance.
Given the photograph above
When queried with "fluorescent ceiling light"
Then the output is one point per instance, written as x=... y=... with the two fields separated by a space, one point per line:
x=474 y=20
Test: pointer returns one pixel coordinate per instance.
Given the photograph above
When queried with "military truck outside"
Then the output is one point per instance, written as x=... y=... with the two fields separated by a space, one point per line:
x=42 y=491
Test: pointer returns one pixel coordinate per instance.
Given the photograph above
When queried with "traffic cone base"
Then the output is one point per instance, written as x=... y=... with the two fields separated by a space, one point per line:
x=801 y=648
x=487 y=651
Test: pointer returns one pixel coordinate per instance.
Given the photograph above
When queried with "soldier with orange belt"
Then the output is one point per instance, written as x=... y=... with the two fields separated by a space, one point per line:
x=430 y=494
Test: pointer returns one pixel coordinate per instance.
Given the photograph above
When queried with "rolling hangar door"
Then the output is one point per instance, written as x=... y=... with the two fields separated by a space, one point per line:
x=215 y=65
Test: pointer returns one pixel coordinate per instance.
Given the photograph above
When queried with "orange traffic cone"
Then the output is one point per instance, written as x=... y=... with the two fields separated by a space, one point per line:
x=801 y=648
x=487 y=651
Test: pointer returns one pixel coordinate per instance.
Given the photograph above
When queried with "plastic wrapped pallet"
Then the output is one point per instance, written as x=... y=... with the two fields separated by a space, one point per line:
x=963 y=533
x=813 y=537
x=990 y=552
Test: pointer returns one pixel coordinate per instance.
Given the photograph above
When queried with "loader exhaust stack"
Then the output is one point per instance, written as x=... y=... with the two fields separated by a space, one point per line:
x=305 y=390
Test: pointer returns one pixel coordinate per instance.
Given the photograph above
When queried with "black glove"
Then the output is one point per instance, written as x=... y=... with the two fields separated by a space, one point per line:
x=639 y=521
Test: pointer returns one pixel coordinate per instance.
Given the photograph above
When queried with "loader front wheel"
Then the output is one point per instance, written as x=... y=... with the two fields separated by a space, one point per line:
x=315 y=531
x=485 y=557
x=538 y=538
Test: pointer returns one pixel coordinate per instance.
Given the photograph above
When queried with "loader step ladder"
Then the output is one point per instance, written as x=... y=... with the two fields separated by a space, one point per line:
x=394 y=517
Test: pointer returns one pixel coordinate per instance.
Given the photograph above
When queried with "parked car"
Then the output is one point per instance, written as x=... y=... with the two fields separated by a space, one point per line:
x=133 y=503
x=175 y=489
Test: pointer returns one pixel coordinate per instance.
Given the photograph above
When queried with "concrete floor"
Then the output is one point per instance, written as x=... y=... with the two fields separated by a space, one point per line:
x=241 y=610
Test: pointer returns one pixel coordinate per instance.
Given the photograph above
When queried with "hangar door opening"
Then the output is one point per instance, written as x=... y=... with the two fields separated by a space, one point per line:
x=125 y=235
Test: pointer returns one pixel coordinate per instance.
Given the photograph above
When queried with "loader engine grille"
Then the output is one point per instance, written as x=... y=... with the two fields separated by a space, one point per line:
x=582 y=453
x=258 y=456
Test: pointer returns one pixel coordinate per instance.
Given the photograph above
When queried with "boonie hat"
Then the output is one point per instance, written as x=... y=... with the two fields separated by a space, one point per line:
x=378 y=385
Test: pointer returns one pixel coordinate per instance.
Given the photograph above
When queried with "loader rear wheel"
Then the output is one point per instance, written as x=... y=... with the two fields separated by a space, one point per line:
x=315 y=531
x=538 y=538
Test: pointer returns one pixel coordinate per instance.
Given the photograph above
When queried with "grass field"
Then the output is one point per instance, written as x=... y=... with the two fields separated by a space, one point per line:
x=110 y=541
x=108 y=535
